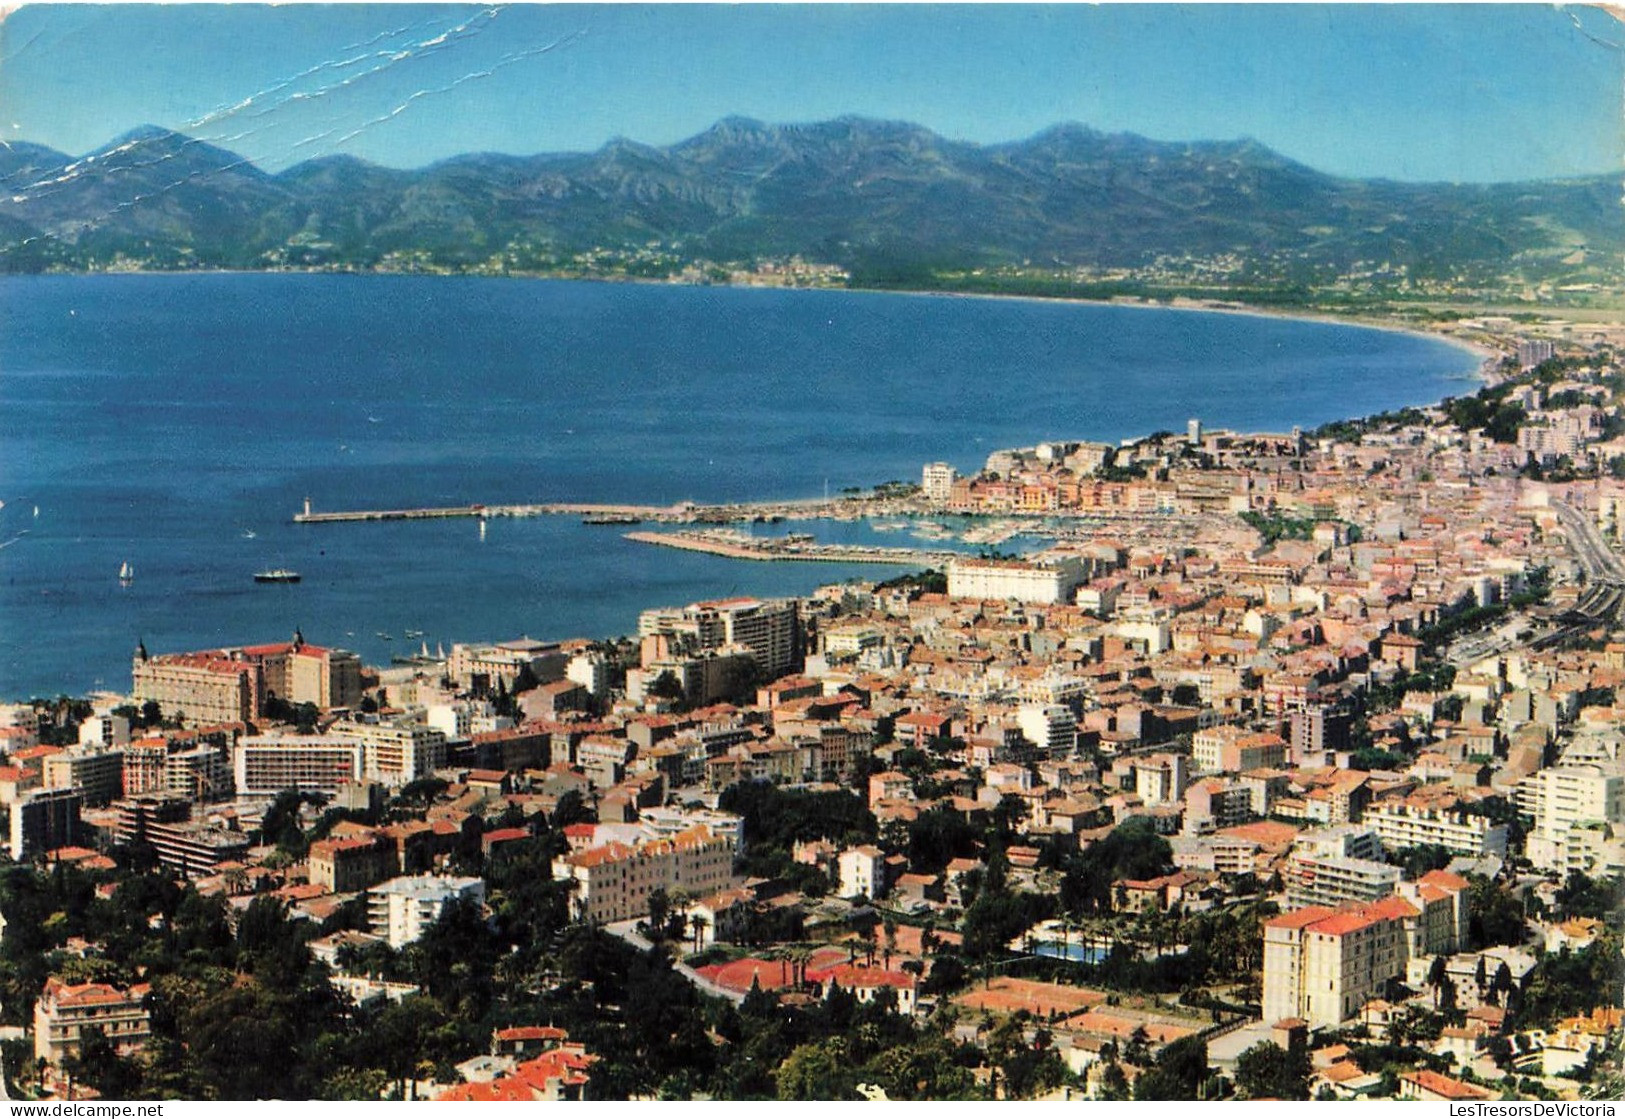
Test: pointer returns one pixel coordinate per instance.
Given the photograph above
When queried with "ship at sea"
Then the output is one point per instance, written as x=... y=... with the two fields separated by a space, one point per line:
x=276 y=575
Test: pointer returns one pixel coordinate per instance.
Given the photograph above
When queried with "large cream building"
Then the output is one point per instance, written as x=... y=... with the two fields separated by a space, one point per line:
x=1038 y=581
x=1322 y=964
x=205 y=688
x=613 y=881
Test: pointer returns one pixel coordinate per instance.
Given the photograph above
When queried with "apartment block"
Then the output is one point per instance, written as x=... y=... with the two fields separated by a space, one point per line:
x=264 y=765
x=98 y=773
x=395 y=753
x=1401 y=825
x=165 y=824
x=1331 y=880
x=403 y=909
x=1569 y=799
x=770 y=630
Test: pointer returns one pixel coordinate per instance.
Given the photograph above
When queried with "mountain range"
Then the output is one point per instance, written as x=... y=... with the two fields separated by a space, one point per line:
x=860 y=193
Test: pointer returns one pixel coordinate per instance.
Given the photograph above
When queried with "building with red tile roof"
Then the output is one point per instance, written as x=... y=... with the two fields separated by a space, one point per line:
x=1323 y=965
x=65 y=1010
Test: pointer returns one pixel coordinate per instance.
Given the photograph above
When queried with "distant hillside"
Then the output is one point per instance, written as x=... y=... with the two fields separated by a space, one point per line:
x=878 y=197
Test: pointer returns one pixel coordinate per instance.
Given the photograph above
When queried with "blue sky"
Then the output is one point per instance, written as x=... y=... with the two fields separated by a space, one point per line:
x=1419 y=92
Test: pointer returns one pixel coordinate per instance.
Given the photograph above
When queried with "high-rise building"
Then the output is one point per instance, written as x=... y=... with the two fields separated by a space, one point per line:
x=44 y=820
x=1318 y=730
x=1565 y=801
x=264 y=765
x=395 y=753
x=403 y=909
x=770 y=630
x=937 y=482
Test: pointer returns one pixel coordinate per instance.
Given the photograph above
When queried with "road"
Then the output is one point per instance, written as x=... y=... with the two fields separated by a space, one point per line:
x=628 y=931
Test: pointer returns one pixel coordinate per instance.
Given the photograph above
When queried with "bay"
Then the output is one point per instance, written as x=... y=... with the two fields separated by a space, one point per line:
x=176 y=422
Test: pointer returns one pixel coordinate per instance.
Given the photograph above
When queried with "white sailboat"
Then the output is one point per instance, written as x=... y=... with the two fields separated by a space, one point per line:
x=126 y=573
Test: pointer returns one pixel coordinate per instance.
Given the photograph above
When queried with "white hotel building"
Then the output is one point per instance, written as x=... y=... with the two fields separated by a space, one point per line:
x=1047 y=582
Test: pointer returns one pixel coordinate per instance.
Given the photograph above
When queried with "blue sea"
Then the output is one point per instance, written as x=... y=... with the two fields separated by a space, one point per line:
x=176 y=422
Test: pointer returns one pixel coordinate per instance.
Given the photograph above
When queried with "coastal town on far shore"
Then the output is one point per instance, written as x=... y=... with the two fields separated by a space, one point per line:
x=1289 y=768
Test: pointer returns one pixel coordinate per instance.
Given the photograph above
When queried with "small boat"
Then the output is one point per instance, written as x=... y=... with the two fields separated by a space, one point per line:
x=276 y=575
x=414 y=633
x=382 y=636
x=126 y=573
x=249 y=534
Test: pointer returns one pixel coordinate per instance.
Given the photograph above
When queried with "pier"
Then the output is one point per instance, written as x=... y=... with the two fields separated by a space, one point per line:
x=663 y=513
x=734 y=545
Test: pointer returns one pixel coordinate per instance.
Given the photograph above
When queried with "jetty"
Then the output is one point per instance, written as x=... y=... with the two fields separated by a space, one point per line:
x=792 y=548
x=611 y=514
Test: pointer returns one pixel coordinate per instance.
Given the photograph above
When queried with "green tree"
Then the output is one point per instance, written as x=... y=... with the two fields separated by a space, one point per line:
x=1178 y=1074
x=1266 y=1071
x=100 y=1066
x=820 y=1070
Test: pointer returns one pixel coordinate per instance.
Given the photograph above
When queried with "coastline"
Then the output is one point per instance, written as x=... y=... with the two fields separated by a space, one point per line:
x=1256 y=313
x=1486 y=354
